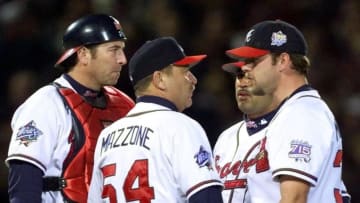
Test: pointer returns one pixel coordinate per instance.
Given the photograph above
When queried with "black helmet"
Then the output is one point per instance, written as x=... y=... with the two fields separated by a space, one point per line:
x=91 y=29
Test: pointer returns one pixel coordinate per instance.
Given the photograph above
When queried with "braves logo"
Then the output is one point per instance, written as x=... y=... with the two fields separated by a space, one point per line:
x=116 y=23
x=260 y=161
x=249 y=35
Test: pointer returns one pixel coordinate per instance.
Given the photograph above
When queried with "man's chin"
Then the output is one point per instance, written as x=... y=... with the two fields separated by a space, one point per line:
x=189 y=104
x=245 y=108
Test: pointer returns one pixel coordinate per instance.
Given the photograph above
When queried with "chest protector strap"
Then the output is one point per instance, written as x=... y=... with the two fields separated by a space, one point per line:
x=89 y=118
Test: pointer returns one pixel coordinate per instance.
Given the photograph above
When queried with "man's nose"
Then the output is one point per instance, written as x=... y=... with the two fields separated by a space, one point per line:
x=191 y=78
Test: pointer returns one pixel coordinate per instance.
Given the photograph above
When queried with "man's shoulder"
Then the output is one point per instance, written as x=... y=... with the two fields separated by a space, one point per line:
x=44 y=94
x=232 y=130
x=45 y=101
x=306 y=109
x=116 y=94
x=307 y=101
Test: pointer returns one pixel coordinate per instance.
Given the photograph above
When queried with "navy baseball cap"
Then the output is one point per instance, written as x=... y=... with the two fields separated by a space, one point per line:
x=234 y=68
x=270 y=37
x=157 y=54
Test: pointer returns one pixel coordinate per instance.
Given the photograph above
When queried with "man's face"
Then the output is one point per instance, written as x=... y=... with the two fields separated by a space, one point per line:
x=254 y=89
x=106 y=62
x=180 y=84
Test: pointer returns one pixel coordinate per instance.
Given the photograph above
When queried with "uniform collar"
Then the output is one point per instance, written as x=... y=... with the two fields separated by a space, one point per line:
x=157 y=100
x=82 y=90
x=255 y=125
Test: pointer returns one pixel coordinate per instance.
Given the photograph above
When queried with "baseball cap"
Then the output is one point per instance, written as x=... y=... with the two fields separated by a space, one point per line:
x=271 y=36
x=157 y=54
x=234 y=67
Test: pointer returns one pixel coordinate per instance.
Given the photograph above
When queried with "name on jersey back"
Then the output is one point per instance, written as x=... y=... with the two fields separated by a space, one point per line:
x=131 y=135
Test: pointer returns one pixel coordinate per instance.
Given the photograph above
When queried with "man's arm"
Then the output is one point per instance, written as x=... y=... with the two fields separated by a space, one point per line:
x=209 y=195
x=25 y=182
x=293 y=190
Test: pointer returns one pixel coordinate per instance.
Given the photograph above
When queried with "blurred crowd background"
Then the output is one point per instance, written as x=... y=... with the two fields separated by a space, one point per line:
x=30 y=43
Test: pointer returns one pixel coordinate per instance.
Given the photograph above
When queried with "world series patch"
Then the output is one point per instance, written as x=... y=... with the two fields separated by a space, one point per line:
x=28 y=133
x=278 y=38
x=203 y=158
x=300 y=150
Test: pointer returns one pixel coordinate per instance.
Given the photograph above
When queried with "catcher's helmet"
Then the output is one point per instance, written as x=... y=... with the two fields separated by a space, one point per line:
x=91 y=29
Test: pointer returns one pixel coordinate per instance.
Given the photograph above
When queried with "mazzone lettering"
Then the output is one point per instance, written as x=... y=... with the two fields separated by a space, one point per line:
x=131 y=135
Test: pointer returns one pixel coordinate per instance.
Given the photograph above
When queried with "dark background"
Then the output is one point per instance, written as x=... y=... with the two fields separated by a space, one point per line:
x=30 y=43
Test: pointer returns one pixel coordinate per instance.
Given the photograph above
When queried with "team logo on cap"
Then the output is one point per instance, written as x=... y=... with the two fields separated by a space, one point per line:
x=278 y=38
x=249 y=35
x=181 y=49
x=116 y=23
x=202 y=158
x=300 y=151
x=28 y=133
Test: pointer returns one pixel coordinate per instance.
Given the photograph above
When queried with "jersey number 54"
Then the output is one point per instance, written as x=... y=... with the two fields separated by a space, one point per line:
x=143 y=193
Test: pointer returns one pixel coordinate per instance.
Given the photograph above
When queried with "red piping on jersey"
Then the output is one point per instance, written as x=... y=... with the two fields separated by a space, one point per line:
x=233 y=184
x=88 y=121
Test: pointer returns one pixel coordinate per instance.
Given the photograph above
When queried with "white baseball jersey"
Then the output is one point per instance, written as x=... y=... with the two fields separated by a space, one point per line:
x=41 y=126
x=301 y=140
x=152 y=155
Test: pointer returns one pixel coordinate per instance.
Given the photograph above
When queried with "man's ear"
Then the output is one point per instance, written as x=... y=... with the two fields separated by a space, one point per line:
x=83 y=55
x=158 y=80
x=284 y=61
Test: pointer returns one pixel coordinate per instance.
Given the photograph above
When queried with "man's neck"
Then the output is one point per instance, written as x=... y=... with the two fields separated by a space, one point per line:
x=84 y=80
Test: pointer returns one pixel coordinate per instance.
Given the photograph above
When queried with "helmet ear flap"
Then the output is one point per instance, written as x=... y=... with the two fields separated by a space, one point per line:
x=91 y=29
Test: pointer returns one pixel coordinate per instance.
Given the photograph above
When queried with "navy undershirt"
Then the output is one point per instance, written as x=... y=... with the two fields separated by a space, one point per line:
x=257 y=124
x=81 y=89
x=157 y=100
x=25 y=182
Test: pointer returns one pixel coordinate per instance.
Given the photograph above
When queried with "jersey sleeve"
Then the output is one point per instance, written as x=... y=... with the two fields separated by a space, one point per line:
x=302 y=146
x=96 y=186
x=97 y=179
x=35 y=126
x=192 y=158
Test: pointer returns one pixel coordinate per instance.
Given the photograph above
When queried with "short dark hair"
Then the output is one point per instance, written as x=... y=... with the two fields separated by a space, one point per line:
x=300 y=63
x=144 y=83
x=70 y=62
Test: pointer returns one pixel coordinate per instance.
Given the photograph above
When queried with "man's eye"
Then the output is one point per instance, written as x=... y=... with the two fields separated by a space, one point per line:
x=250 y=60
x=240 y=74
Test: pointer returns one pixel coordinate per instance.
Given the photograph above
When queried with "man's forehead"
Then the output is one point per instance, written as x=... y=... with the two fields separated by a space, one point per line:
x=118 y=43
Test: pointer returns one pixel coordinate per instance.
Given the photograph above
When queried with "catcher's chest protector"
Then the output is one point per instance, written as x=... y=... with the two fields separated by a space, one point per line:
x=88 y=121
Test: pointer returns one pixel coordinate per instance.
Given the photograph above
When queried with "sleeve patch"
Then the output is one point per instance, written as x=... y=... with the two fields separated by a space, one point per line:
x=203 y=158
x=300 y=151
x=28 y=134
